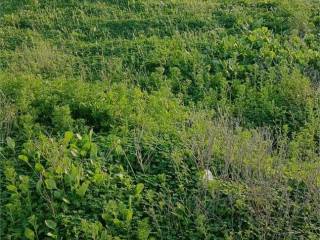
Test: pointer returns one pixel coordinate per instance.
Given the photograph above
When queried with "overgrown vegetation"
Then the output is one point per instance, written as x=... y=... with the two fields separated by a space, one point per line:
x=112 y=113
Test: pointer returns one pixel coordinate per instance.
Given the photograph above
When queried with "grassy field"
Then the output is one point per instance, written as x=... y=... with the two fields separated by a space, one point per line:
x=174 y=119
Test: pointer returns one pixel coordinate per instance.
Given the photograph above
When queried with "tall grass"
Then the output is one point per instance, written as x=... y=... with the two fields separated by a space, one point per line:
x=7 y=116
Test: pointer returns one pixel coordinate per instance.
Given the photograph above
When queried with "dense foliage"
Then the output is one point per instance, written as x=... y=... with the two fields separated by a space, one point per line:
x=113 y=112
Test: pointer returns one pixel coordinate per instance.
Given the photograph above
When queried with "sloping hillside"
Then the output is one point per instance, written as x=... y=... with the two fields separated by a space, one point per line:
x=174 y=119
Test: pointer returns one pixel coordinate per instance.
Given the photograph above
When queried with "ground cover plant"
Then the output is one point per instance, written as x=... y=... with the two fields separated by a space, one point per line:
x=176 y=119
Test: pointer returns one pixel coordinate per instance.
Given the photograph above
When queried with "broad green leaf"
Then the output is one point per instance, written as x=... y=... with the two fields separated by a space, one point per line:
x=99 y=178
x=51 y=224
x=38 y=186
x=139 y=188
x=116 y=222
x=32 y=220
x=81 y=191
x=29 y=234
x=11 y=143
x=67 y=137
x=54 y=236
x=83 y=153
x=59 y=169
x=143 y=230
x=75 y=175
x=39 y=167
x=86 y=146
x=12 y=188
x=58 y=194
x=129 y=215
x=50 y=184
x=23 y=158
